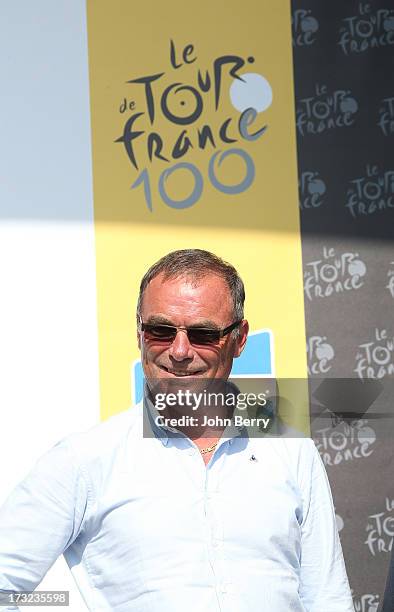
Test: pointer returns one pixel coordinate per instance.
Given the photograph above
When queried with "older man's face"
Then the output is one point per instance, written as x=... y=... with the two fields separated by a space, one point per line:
x=184 y=303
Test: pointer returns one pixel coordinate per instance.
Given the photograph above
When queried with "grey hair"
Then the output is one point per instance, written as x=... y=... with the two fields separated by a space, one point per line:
x=195 y=264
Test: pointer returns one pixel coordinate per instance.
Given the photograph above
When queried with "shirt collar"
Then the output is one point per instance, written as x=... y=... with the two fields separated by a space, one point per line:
x=165 y=432
x=150 y=414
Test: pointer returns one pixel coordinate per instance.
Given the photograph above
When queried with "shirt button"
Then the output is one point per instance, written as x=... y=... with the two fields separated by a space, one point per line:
x=215 y=543
x=191 y=451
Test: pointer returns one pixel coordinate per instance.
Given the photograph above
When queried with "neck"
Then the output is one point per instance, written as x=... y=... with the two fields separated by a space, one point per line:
x=204 y=425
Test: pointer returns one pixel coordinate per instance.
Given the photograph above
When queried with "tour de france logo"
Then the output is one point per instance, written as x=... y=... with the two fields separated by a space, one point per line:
x=183 y=96
x=333 y=273
x=380 y=529
x=320 y=355
x=304 y=27
x=311 y=189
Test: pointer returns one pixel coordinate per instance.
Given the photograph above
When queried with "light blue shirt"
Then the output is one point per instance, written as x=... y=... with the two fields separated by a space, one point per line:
x=145 y=526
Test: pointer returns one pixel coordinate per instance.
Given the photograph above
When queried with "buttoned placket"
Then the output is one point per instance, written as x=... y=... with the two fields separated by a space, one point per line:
x=207 y=478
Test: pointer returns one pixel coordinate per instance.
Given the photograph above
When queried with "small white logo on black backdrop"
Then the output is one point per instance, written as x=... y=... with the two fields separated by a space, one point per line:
x=386 y=116
x=333 y=273
x=368 y=29
x=367 y=602
x=325 y=110
x=320 y=355
x=380 y=529
x=312 y=189
x=390 y=276
x=375 y=358
x=304 y=28
x=371 y=192
x=345 y=442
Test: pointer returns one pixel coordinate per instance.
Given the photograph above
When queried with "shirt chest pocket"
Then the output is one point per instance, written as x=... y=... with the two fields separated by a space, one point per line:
x=261 y=513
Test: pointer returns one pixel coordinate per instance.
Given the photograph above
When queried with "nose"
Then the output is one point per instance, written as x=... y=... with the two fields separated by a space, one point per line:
x=181 y=348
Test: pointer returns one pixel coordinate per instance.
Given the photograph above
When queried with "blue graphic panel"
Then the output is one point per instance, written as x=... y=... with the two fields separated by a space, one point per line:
x=138 y=382
x=256 y=358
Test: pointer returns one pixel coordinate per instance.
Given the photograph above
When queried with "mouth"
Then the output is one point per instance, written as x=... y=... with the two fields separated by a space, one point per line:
x=182 y=373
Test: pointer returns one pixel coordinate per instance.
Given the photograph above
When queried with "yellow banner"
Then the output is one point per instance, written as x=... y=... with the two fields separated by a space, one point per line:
x=194 y=146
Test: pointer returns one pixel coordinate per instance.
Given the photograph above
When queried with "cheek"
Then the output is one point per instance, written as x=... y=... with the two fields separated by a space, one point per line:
x=209 y=356
x=150 y=352
x=227 y=352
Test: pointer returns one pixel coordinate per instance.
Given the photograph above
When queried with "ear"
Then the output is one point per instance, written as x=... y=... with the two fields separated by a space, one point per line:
x=138 y=334
x=240 y=341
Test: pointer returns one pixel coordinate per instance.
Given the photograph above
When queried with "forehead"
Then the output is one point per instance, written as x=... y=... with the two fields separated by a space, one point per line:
x=184 y=300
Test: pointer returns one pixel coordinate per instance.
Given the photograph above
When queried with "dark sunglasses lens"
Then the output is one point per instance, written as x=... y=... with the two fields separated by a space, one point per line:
x=203 y=336
x=167 y=333
x=160 y=332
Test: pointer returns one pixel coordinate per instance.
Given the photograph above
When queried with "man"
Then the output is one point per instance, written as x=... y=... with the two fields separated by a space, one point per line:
x=220 y=522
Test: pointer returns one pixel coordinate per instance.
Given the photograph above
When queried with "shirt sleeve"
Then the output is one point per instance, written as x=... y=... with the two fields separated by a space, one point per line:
x=323 y=579
x=40 y=519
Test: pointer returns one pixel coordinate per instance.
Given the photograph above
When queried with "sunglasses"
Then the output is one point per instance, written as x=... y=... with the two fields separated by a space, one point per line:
x=196 y=335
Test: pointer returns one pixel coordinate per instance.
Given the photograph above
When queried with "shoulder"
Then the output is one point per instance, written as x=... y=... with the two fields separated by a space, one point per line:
x=95 y=455
x=93 y=452
x=107 y=436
